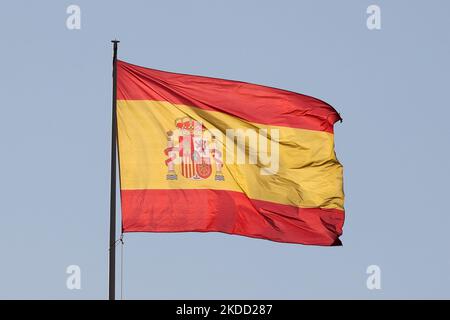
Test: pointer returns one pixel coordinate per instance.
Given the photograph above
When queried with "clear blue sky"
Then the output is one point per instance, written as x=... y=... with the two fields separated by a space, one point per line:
x=390 y=86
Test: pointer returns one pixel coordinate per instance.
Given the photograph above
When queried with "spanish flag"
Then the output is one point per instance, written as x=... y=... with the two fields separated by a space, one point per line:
x=204 y=154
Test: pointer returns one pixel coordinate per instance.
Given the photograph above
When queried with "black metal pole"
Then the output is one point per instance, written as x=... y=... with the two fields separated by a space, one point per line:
x=112 y=217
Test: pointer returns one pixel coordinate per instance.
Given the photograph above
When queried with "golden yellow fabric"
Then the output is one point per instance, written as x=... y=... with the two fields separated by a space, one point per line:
x=309 y=174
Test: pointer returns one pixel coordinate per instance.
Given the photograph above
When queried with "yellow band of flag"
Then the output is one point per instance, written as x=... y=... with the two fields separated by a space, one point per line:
x=308 y=176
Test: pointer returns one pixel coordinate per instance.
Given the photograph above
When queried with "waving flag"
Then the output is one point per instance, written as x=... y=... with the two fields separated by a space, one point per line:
x=204 y=154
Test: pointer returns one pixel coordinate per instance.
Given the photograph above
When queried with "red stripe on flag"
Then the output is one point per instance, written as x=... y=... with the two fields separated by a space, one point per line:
x=181 y=210
x=251 y=102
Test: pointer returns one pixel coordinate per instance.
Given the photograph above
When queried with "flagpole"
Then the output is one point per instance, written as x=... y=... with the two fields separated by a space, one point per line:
x=112 y=217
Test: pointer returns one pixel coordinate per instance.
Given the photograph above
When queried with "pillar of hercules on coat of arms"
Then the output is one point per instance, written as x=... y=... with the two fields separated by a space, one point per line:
x=191 y=152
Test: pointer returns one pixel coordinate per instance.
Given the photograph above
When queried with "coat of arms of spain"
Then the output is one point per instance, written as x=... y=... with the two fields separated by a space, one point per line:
x=193 y=150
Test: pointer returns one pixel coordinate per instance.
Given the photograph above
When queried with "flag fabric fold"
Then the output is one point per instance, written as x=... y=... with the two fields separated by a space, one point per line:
x=203 y=154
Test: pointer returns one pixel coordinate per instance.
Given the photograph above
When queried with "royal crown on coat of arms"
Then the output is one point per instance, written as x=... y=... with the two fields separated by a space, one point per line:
x=194 y=150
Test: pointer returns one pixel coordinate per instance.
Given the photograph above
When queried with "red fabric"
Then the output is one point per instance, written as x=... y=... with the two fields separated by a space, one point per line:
x=229 y=212
x=251 y=102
